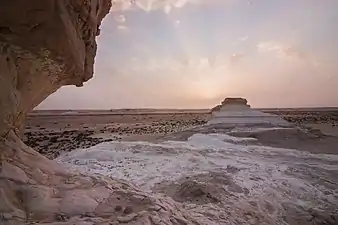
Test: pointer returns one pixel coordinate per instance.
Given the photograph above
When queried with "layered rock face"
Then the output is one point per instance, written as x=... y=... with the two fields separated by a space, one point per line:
x=237 y=111
x=234 y=101
x=44 y=44
x=231 y=102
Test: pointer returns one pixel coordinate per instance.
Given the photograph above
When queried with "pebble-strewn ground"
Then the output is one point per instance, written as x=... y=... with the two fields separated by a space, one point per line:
x=211 y=175
x=52 y=133
x=301 y=117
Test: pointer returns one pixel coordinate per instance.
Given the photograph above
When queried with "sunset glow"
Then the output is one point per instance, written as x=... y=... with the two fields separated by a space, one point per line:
x=193 y=53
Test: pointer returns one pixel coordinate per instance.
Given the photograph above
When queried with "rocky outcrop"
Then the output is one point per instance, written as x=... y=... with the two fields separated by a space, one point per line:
x=45 y=44
x=236 y=111
x=216 y=108
x=234 y=101
x=231 y=102
x=34 y=190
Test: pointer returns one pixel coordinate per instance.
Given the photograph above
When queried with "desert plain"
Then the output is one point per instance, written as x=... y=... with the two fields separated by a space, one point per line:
x=217 y=164
x=52 y=132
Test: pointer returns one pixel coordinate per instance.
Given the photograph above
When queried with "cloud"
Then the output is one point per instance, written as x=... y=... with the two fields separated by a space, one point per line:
x=151 y=5
x=271 y=46
x=120 y=18
x=284 y=51
x=167 y=9
x=177 y=23
x=281 y=50
x=180 y=3
x=146 y=5
x=245 y=38
x=122 y=27
x=165 y=60
x=241 y=40
x=236 y=58
x=121 y=5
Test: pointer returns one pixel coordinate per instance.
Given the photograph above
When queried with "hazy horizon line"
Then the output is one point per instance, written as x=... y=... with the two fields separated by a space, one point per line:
x=169 y=108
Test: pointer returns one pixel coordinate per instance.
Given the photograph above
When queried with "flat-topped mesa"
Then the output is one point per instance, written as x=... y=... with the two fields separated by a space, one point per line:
x=236 y=111
x=234 y=101
x=231 y=103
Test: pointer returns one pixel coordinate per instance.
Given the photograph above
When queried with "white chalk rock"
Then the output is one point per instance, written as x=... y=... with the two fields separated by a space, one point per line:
x=237 y=111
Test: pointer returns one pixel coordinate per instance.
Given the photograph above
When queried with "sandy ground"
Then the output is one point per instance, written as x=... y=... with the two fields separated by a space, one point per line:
x=258 y=174
x=325 y=120
x=227 y=179
x=53 y=132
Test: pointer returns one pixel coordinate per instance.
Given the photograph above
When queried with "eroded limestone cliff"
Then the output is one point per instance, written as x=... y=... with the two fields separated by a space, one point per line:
x=45 y=44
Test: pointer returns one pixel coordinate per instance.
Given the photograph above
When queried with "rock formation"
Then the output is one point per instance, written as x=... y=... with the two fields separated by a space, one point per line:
x=45 y=44
x=234 y=101
x=241 y=102
x=216 y=108
x=237 y=111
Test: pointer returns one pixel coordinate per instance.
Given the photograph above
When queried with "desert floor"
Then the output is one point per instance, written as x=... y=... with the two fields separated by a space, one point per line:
x=55 y=131
x=230 y=174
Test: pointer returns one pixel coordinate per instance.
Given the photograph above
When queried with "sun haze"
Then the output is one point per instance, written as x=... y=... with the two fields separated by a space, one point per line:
x=193 y=53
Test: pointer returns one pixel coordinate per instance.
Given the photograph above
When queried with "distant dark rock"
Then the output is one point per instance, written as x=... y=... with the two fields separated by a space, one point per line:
x=240 y=101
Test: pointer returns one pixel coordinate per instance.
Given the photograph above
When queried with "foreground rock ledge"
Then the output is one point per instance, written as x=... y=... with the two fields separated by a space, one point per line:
x=45 y=44
x=34 y=189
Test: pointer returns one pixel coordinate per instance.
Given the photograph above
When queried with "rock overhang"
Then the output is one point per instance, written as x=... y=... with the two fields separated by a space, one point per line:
x=44 y=44
x=61 y=31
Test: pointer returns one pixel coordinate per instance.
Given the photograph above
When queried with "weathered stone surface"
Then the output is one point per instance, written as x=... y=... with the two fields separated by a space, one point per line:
x=68 y=198
x=231 y=102
x=216 y=108
x=5 y=204
x=45 y=44
x=10 y=172
x=236 y=111
x=239 y=101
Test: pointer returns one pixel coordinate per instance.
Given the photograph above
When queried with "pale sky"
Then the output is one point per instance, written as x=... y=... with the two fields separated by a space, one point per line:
x=194 y=53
